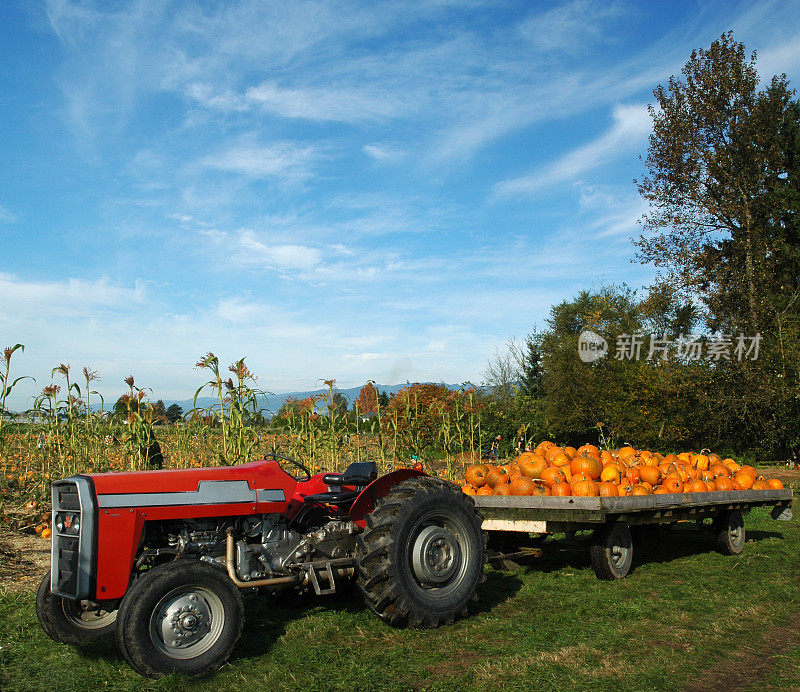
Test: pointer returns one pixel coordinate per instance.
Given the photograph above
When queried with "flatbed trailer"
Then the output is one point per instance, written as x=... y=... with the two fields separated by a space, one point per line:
x=611 y=518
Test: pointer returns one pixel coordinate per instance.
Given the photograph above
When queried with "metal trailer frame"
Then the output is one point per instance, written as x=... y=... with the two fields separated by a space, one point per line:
x=612 y=517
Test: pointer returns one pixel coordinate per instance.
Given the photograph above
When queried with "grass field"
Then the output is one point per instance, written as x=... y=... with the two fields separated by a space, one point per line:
x=686 y=617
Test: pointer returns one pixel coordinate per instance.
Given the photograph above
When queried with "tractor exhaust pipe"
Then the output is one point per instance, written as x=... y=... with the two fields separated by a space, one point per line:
x=230 y=563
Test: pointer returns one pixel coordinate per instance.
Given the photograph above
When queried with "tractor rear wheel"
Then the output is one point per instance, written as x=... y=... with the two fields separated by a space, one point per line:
x=421 y=557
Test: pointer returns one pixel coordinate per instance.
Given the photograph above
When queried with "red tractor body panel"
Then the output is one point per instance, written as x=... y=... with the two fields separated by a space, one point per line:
x=126 y=500
x=365 y=502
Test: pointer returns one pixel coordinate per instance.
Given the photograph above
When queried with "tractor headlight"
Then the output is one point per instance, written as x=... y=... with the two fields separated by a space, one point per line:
x=68 y=523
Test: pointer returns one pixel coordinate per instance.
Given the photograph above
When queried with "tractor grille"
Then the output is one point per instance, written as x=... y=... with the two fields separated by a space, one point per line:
x=72 y=556
x=68 y=497
x=67 y=566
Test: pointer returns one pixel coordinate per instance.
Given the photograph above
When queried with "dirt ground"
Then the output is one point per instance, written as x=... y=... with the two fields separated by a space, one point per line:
x=24 y=558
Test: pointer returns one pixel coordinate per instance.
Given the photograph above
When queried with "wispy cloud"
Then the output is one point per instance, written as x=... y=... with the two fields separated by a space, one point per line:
x=631 y=127
x=254 y=251
x=288 y=161
x=348 y=104
x=19 y=297
x=572 y=27
x=384 y=153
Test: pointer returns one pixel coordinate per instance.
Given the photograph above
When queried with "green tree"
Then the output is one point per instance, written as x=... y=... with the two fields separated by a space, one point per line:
x=531 y=375
x=174 y=413
x=722 y=168
x=723 y=229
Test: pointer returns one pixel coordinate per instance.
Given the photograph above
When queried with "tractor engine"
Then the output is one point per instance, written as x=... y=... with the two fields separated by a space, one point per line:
x=265 y=547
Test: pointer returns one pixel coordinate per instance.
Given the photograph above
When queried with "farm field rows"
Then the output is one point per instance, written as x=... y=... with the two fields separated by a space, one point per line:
x=686 y=617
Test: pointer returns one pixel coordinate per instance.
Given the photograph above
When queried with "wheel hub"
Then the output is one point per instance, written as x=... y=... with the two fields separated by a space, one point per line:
x=184 y=621
x=436 y=555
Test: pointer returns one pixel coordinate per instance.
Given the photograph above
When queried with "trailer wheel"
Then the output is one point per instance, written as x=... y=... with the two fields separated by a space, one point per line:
x=729 y=532
x=612 y=551
x=422 y=554
x=183 y=617
x=71 y=622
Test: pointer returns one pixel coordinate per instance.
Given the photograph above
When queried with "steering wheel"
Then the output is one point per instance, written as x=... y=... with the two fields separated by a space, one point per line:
x=297 y=464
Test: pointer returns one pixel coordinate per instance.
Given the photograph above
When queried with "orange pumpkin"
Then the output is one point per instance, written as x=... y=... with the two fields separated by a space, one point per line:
x=641 y=489
x=579 y=478
x=650 y=474
x=502 y=489
x=496 y=476
x=468 y=489
x=589 y=465
x=774 y=484
x=750 y=470
x=673 y=483
x=724 y=483
x=532 y=466
x=552 y=475
x=608 y=489
x=476 y=474
x=560 y=490
x=484 y=490
x=570 y=452
x=586 y=488
x=632 y=475
x=743 y=480
x=560 y=459
x=610 y=474
x=720 y=470
x=522 y=486
x=590 y=450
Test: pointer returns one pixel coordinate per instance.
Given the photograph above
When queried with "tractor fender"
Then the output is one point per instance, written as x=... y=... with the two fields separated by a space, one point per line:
x=365 y=502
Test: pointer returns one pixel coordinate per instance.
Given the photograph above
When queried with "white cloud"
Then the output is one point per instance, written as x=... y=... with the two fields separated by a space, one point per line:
x=781 y=58
x=343 y=104
x=20 y=299
x=284 y=160
x=383 y=153
x=631 y=127
x=570 y=27
x=254 y=251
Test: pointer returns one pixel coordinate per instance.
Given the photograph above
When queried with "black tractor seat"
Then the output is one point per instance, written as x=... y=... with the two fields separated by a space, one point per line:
x=359 y=474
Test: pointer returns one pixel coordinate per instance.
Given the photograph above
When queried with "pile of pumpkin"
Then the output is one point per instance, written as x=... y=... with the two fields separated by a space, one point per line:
x=591 y=472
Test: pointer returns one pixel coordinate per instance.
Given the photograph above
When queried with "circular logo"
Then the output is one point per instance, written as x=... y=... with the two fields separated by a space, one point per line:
x=591 y=347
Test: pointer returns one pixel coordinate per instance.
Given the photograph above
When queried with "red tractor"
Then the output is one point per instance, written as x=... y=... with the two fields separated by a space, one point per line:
x=159 y=558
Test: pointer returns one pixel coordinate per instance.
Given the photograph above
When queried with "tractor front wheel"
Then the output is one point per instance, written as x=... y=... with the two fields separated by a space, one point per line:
x=422 y=554
x=183 y=617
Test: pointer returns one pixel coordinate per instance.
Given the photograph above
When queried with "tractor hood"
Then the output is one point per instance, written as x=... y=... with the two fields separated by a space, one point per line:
x=254 y=482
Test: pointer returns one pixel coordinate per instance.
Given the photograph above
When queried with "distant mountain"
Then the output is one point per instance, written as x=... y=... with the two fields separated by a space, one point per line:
x=272 y=402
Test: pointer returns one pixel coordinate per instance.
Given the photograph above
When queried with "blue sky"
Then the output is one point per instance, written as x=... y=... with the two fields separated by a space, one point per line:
x=382 y=190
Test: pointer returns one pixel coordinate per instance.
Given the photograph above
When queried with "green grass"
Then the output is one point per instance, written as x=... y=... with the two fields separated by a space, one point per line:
x=685 y=616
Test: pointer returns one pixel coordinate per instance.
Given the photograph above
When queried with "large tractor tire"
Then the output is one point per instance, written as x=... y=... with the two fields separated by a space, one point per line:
x=421 y=557
x=71 y=622
x=183 y=617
